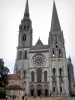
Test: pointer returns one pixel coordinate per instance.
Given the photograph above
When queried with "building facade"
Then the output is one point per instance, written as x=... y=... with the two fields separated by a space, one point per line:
x=43 y=68
x=14 y=85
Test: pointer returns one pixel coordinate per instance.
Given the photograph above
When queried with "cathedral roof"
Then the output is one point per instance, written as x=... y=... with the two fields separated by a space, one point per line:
x=39 y=47
x=55 y=25
x=39 y=43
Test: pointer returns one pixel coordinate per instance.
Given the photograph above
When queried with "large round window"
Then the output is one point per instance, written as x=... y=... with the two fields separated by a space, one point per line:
x=38 y=59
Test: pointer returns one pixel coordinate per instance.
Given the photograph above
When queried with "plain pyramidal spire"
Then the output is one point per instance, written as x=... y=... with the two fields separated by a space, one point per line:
x=55 y=25
x=26 y=14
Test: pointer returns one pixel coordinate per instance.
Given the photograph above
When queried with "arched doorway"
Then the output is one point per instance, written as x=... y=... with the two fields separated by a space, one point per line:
x=39 y=89
x=32 y=90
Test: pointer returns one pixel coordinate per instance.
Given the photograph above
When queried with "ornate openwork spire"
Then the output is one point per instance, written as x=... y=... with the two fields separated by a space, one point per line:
x=55 y=25
x=26 y=14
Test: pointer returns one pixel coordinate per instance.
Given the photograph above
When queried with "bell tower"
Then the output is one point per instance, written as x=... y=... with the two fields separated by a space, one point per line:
x=58 y=65
x=25 y=30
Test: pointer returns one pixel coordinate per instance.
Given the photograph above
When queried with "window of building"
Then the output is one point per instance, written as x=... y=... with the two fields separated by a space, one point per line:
x=27 y=27
x=39 y=75
x=60 y=71
x=54 y=71
x=24 y=73
x=24 y=38
x=45 y=75
x=59 y=52
x=24 y=27
x=20 y=55
x=56 y=45
x=53 y=89
x=60 y=89
x=53 y=53
x=32 y=76
x=25 y=55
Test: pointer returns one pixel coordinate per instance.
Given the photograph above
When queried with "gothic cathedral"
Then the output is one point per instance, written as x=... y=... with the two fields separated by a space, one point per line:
x=43 y=68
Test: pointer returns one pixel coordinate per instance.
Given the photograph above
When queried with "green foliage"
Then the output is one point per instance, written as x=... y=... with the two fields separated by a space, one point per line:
x=3 y=74
x=3 y=93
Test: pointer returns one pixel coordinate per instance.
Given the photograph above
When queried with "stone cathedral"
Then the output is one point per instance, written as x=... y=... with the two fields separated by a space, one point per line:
x=44 y=69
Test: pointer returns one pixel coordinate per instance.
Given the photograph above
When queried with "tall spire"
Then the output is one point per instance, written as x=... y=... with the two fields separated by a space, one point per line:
x=55 y=25
x=26 y=14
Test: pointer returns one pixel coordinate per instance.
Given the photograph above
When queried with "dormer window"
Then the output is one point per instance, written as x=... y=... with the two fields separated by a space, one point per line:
x=24 y=38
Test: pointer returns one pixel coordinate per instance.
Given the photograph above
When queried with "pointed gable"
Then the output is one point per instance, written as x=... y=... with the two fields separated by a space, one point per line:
x=55 y=25
x=39 y=43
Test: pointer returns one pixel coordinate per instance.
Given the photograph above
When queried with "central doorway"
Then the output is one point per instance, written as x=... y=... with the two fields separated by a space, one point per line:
x=38 y=92
x=39 y=89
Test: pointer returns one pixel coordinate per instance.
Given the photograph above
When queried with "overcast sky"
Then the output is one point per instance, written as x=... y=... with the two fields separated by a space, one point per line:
x=11 y=13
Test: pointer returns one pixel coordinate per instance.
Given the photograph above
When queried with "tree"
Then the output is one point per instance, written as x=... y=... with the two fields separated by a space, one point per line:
x=3 y=74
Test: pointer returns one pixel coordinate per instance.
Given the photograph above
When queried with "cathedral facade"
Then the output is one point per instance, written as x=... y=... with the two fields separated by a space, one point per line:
x=43 y=68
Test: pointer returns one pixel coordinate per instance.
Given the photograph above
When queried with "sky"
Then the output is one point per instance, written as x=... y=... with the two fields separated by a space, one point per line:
x=11 y=14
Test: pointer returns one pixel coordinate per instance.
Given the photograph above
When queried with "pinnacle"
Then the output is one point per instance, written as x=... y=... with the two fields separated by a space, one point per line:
x=55 y=25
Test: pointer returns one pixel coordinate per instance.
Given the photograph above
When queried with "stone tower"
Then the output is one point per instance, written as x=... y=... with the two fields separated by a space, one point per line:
x=24 y=44
x=58 y=63
x=71 y=77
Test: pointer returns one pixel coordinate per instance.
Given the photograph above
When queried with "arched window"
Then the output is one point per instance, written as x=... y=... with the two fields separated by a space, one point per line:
x=59 y=52
x=27 y=27
x=53 y=52
x=54 y=71
x=53 y=89
x=60 y=90
x=24 y=27
x=25 y=54
x=20 y=55
x=39 y=75
x=56 y=45
x=24 y=38
x=60 y=71
x=45 y=75
x=32 y=76
x=24 y=73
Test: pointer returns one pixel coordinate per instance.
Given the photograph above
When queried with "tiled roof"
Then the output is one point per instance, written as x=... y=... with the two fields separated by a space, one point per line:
x=13 y=76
